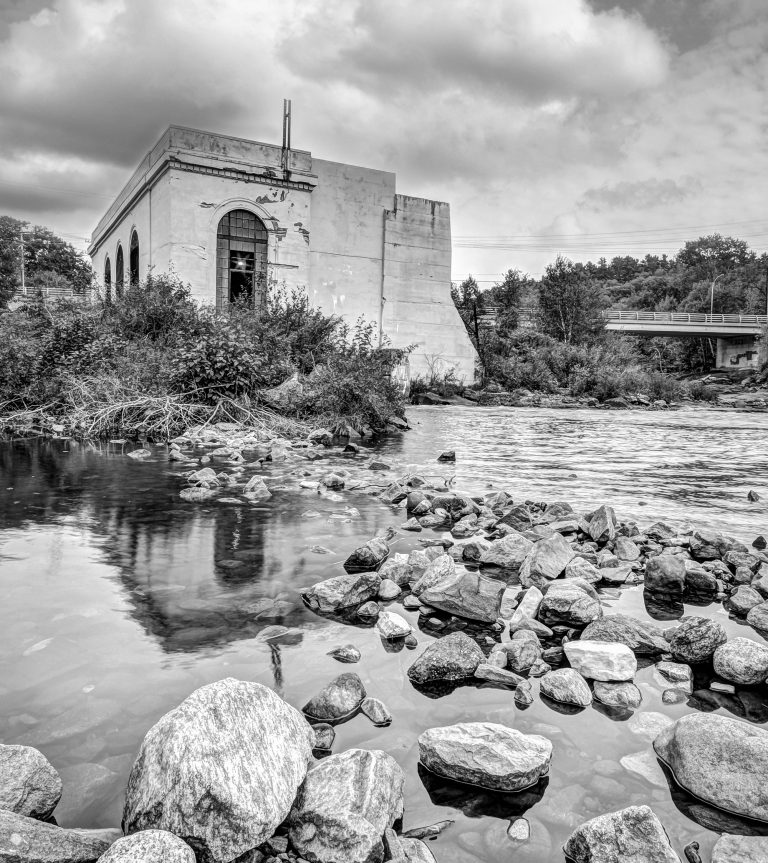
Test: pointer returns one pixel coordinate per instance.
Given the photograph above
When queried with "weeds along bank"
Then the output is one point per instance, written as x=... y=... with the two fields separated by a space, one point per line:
x=152 y=362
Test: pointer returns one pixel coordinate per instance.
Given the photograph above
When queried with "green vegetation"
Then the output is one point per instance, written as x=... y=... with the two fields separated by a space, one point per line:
x=567 y=351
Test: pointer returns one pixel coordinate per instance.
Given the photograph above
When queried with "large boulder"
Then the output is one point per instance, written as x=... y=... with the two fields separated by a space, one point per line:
x=509 y=552
x=566 y=686
x=27 y=840
x=601 y=660
x=740 y=849
x=719 y=760
x=486 y=754
x=631 y=835
x=546 y=561
x=339 y=700
x=696 y=639
x=345 y=805
x=442 y=567
x=641 y=637
x=741 y=661
x=342 y=591
x=149 y=846
x=454 y=657
x=466 y=594
x=221 y=770
x=665 y=575
x=368 y=556
x=29 y=785
x=568 y=602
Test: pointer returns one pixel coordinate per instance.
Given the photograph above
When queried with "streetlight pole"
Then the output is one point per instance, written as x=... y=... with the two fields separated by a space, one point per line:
x=712 y=295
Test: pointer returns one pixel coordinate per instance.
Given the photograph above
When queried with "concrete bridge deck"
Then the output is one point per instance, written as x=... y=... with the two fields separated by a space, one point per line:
x=684 y=324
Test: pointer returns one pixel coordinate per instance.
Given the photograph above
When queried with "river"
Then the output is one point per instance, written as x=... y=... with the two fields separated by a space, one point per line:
x=119 y=599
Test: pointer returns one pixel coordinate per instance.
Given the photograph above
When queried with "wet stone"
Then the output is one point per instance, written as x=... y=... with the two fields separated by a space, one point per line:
x=376 y=711
x=567 y=687
x=625 y=695
x=338 y=700
x=347 y=653
x=324 y=736
x=454 y=657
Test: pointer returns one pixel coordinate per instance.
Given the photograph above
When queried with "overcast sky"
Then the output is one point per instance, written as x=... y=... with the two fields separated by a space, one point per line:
x=591 y=127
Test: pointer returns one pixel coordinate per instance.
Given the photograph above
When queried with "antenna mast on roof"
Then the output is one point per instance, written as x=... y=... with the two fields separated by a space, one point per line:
x=286 y=136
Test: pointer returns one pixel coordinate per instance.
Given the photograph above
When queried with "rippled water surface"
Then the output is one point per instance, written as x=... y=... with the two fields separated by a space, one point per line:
x=119 y=599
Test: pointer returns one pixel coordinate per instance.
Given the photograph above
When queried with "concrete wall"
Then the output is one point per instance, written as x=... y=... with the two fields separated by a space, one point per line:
x=418 y=309
x=738 y=353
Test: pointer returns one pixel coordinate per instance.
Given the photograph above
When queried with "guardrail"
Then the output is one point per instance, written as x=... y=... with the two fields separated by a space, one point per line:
x=685 y=318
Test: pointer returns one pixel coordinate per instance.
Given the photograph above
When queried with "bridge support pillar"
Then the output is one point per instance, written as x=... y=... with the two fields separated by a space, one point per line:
x=739 y=352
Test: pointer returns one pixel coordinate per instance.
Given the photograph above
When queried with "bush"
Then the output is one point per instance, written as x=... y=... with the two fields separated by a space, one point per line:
x=699 y=391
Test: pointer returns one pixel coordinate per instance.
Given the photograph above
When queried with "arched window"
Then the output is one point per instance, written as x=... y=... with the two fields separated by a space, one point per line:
x=107 y=274
x=241 y=259
x=133 y=259
x=119 y=276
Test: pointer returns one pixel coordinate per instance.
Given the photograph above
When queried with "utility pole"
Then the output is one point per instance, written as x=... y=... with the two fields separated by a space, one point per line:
x=712 y=295
x=286 y=149
x=23 y=282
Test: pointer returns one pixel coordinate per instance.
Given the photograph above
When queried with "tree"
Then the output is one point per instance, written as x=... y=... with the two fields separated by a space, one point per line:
x=44 y=253
x=508 y=295
x=569 y=302
x=469 y=303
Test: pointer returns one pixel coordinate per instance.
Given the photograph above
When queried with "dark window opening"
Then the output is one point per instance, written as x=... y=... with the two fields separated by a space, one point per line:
x=107 y=274
x=133 y=259
x=119 y=276
x=241 y=260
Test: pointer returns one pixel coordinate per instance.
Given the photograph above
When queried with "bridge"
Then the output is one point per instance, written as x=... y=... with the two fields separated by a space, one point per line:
x=685 y=324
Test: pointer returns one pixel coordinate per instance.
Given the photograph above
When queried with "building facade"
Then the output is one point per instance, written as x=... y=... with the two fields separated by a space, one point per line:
x=237 y=219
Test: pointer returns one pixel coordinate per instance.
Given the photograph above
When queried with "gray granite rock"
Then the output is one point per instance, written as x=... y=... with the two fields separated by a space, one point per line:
x=222 y=769
x=719 y=760
x=566 y=602
x=389 y=625
x=524 y=694
x=665 y=575
x=440 y=568
x=324 y=736
x=342 y=591
x=346 y=653
x=29 y=785
x=740 y=849
x=696 y=639
x=466 y=594
x=508 y=552
x=486 y=754
x=345 y=805
x=376 y=711
x=454 y=657
x=743 y=600
x=27 y=840
x=496 y=674
x=338 y=700
x=149 y=846
x=742 y=661
x=602 y=524
x=546 y=561
x=625 y=695
x=625 y=549
x=368 y=556
x=566 y=686
x=757 y=617
x=641 y=637
x=601 y=660
x=631 y=835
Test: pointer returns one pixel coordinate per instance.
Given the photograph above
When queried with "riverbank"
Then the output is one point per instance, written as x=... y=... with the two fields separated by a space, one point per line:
x=247 y=602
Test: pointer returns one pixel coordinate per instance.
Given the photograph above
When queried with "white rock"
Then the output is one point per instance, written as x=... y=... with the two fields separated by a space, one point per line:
x=601 y=660
x=392 y=625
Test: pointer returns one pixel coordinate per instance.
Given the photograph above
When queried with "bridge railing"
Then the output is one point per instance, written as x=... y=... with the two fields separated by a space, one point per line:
x=685 y=318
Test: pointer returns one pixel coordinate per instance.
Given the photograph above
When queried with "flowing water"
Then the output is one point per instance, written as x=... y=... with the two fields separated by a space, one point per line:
x=119 y=599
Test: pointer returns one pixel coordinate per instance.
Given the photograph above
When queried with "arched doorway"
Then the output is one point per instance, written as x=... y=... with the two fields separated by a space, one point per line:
x=133 y=259
x=241 y=259
x=108 y=281
x=119 y=272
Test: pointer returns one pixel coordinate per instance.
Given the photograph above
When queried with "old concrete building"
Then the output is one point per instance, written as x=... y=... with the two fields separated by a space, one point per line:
x=237 y=218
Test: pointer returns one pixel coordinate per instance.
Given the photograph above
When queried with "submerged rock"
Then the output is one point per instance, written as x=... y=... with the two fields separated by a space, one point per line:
x=454 y=657
x=342 y=591
x=601 y=660
x=566 y=686
x=631 y=835
x=467 y=594
x=337 y=700
x=742 y=661
x=345 y=805
x=149 y=846
x=29 y=785
x=696 y=639
x=719 y=760
x=222 y=769
x=486 y=754
x=27 y=840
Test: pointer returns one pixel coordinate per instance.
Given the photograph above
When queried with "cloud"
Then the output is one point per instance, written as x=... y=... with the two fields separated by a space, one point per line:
x=641 y=194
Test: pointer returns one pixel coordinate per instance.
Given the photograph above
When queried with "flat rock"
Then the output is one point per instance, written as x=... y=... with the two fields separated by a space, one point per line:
x=29 y=785
x=566 y=686
x=742 y=661
x=342 y=591
x=696 y=639
x=641 y=637
x=719 y=760
x=149 y=846
x=740 y=849
x=466 y=594
x=392 y=625
x=486 y=754
x=27 y=840
x=631 y=835
x=454 y=657
x=222 y=769
x=345 y=805
x=601 y=660
x=625 y=695
x=338 y=700
x=509 y=552
x=495 y=674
